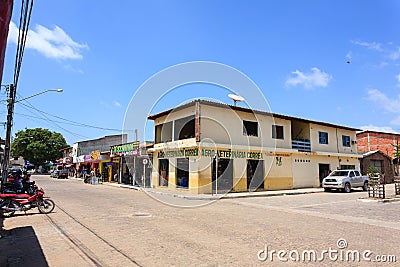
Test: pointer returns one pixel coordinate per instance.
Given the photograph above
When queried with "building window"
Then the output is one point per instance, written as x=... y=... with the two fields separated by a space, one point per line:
x=346 y=140
x=277 y=132
x=184 y=128
x=347 y=167
x=323 y=138
x=250 y=128
x=163 y=132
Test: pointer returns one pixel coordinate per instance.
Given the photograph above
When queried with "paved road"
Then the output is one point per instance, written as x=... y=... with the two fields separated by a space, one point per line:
x=100 y=225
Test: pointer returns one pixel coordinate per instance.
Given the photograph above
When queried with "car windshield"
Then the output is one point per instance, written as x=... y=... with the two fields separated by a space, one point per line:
x=339 y=173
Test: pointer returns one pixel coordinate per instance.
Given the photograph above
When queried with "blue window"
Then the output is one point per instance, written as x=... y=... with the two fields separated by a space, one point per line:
x=346 y=140
x=323 y=137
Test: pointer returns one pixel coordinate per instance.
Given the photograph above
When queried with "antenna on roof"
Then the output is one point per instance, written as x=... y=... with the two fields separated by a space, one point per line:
x=236 y=98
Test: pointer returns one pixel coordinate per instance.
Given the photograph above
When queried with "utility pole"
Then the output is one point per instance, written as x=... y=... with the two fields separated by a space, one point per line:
x=7 y=148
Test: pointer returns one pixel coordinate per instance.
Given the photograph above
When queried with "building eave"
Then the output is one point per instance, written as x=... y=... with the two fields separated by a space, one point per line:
x=247 y=110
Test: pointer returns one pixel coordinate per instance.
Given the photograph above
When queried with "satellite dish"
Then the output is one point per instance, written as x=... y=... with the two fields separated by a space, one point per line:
x=236 y=98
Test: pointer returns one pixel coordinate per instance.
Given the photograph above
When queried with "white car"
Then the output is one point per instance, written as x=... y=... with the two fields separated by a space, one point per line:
x=345 y=180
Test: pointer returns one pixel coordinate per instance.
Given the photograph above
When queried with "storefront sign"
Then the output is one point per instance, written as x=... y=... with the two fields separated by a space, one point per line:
x=131 y=149
x=235 y=154
x=282 y=154
x=191 y=152
x=222 y=153
x=95 y=155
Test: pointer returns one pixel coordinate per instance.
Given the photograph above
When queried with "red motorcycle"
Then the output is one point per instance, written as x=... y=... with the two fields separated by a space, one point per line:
x=12 y=202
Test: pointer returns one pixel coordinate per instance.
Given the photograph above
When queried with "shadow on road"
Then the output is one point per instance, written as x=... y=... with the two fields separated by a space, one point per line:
x=20 y=247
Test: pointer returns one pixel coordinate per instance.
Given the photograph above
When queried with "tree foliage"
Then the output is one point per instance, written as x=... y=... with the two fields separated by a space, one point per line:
x=38 y=145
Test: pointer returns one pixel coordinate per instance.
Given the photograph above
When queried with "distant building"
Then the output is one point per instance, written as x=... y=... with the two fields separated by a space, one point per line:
x=18 y=162
x=379 y=160
x=371 y=141
x=95 y=154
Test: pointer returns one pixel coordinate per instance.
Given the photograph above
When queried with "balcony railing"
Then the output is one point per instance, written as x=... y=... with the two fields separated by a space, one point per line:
x=302 y=145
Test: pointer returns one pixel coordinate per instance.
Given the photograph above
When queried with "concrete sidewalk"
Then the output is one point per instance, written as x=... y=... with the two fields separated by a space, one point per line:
x=186 y=195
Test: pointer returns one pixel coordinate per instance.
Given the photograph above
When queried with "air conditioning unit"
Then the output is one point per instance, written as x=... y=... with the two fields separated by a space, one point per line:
x=354 y=142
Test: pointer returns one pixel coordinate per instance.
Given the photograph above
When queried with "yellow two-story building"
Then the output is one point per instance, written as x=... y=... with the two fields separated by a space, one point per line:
x=206 y=147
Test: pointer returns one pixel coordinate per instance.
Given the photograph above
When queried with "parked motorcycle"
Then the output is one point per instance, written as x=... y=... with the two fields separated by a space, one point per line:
x=12 y=202
x=11 y=188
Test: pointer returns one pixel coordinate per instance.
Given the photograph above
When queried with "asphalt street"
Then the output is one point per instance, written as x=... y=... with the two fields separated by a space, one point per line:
x=101 y=225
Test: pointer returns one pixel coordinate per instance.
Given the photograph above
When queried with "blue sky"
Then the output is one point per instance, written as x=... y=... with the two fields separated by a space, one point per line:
x=100 y=52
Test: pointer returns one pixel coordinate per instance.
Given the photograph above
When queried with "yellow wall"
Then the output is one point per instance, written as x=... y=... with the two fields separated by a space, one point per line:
x=281 y=170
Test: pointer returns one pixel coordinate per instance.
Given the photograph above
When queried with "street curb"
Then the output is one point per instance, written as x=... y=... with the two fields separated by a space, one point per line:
x=215 y=197
x=386 y=200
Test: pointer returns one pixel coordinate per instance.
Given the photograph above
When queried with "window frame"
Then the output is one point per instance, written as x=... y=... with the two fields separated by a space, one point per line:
x=321 y=138
x=346 y=141
x=275 y=132
x=245 y=129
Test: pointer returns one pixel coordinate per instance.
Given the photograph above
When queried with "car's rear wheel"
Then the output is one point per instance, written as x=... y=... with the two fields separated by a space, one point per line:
x=347 y=188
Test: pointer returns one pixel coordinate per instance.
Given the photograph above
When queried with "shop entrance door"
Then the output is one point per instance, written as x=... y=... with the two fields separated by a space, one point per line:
x=225 y=175
x=163 y=171
x=255 y=174
x=323 y=172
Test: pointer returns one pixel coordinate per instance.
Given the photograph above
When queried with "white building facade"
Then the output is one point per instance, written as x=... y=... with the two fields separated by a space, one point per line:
x=206 y=147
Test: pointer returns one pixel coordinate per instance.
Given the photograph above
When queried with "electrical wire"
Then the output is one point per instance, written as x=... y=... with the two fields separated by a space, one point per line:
x=70 y=122
x=25 y=17
x=47 y=118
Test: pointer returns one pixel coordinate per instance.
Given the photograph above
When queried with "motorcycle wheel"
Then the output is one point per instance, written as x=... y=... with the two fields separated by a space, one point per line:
x=8 y=204
x=46 y=206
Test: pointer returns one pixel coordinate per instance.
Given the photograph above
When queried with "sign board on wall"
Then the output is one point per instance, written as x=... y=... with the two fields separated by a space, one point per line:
x=222 y=153
x=131 y=149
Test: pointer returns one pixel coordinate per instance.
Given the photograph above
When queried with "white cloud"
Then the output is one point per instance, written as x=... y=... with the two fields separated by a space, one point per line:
x=398 y=80
x=386 y=129
x=372 y=46
x=349 y=55
x=73 y=69
x=381 y=65
x=315 y=78
x=51 y=43
x=389 y=104
x=117 y=104
x=395 y=55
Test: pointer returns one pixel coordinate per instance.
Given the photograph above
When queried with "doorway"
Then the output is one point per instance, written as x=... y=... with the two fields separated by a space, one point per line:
x=255 y=174
x=182 y=172
x=225 y=175
x=163 y=171
x=323 y=172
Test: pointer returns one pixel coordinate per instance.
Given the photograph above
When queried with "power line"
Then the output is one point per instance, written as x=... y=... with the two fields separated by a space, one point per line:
x=25 y=17
x=55 y=124
x=79 y=124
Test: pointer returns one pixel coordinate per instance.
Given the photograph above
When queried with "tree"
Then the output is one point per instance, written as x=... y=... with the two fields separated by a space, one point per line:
x=38 y=145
